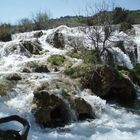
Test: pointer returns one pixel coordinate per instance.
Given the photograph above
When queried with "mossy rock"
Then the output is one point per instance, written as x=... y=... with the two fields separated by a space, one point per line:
x=49 y=109
x=58 y=62
x=81 y=71
x=36 y=66
x=88 y=56
x=65 y=84
x=5 y=86
x=56 y=59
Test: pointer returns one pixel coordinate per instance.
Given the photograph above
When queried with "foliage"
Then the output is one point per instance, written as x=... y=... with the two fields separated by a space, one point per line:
x=25 y=25
x=56 y=59
x=40 y=20
x=5 y=32
x=85 y=54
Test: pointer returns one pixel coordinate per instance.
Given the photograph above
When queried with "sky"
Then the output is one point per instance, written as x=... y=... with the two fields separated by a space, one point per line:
x=14 y=10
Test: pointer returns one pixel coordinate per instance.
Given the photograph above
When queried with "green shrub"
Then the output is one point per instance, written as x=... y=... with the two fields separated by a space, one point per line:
x=81 y=71
x=5 y=32
x=88 y=56
x=56 y=59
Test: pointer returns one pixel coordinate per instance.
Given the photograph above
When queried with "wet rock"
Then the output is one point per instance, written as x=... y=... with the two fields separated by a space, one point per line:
x=26 y=70
x=41 y=69
x=50 y=110
x=38 y=34
x=109 y=84
x=83 y=109
x=56 y=39
x=15 y=48
x=14 y=76
x=33 y=47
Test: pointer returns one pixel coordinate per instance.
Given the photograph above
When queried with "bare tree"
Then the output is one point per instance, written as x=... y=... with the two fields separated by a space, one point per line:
x=101 y=30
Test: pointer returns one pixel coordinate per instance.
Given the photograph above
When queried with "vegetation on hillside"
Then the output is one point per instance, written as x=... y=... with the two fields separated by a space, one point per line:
x=41 y=20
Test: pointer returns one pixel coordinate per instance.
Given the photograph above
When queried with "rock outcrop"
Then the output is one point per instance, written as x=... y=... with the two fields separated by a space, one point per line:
x=52 y=104
x=109 y=84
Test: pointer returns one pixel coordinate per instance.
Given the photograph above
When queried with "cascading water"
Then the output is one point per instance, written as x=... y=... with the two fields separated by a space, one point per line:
x=137 y=40
x=112 y=122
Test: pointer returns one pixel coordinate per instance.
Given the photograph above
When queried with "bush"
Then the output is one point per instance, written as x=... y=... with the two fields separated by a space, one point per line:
x=88 y=56
x=41 y=20
x=56 y=59
x=5 y=32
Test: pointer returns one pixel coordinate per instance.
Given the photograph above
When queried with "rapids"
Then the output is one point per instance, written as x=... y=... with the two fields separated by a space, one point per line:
x=112 y=123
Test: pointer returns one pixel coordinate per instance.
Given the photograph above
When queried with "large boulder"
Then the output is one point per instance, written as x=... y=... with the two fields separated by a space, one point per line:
x=50 y=110
x=109 y=84
x=53 y=102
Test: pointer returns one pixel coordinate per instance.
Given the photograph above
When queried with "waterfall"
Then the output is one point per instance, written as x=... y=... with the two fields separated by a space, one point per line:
x=112 y=123
x=137 y=40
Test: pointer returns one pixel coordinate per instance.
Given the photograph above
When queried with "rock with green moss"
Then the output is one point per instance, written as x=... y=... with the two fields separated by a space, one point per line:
x=49 y=109
x=110 y=84
x=35 y=66
x=52 y=103
x=88 y=56
x=5 y=86
x=58 y=62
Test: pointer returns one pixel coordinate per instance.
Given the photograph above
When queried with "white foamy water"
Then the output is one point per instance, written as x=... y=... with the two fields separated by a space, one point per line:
x=112 y=122
x=137 y=40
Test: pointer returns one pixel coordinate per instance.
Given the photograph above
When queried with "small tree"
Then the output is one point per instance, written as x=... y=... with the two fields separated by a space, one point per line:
x=100 y=33
x=41 y=20
x=25 y=25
